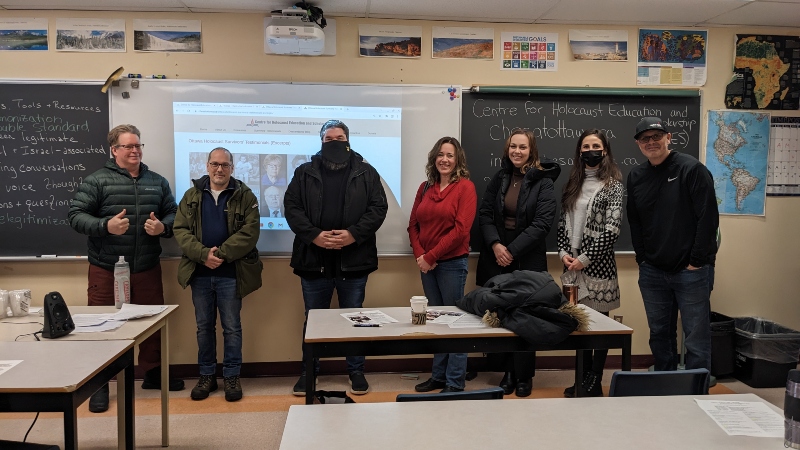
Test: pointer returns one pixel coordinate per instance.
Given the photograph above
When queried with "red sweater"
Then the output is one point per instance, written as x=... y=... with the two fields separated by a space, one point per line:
x=441 y=221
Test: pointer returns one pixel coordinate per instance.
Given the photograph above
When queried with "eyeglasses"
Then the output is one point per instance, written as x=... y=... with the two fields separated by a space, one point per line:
x=216 y=165
x=653 y=137
x=130 y=146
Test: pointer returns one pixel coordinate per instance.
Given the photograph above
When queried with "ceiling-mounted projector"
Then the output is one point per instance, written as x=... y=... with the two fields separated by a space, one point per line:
x=291 y=33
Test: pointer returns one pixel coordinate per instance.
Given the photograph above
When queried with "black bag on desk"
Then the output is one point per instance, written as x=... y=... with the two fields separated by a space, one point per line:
x=331 y=397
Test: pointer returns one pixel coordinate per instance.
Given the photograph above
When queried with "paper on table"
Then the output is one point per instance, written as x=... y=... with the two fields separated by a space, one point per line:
x=108 y=325
x=468 y=321
x=744 y=418
x=7 y=364
x=442 y=316
x=90 y=320
x=130 y=311
x=368 y=317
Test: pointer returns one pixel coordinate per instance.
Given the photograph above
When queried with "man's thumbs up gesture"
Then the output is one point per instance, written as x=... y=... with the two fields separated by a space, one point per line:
x=118 y=224
x=153 y=226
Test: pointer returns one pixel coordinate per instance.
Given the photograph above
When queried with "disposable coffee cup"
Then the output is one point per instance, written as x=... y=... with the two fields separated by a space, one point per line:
x=571 y=292
x=419 y=310
x=20 y=301
x=3 y=303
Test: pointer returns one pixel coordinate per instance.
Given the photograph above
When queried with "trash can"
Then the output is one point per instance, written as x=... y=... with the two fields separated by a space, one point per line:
x=765 y=352
x=723 y=344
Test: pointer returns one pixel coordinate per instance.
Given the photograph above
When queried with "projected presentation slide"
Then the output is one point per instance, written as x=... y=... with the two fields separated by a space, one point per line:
x=269 y=141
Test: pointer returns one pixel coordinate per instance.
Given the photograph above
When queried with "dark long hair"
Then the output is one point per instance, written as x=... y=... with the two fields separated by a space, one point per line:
x=533 y=158
x=607 y=170
x=459 y=171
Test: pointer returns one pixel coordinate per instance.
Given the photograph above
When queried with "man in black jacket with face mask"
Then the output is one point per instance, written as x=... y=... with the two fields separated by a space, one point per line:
x=335 y=204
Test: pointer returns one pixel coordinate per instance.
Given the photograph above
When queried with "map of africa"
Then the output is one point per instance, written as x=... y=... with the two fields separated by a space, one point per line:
x=767 y=70
x=736 y=154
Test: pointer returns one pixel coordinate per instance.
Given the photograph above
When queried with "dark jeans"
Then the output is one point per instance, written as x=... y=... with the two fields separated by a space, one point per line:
x=146 y=289
x=443 y=286
x=665 y=294
x=210 y=294
x=317 y=294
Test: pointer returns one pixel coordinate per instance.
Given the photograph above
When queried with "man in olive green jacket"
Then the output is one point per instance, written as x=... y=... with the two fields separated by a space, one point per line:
x=217 y=227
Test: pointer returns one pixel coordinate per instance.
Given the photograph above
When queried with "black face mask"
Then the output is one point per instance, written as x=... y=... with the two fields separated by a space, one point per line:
x=336 y=151
x=592 y=158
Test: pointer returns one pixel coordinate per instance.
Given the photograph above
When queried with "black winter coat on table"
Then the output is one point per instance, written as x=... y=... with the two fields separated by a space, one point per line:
x=527 y=303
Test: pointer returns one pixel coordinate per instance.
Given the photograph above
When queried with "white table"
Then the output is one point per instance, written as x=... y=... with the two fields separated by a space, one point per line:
x=329 y=334
x=136 y=330
x=60 y=376
x=598 y=423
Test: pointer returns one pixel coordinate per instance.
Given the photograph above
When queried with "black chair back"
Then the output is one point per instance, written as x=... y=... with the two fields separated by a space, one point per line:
x=678 y=382
x=495 y=393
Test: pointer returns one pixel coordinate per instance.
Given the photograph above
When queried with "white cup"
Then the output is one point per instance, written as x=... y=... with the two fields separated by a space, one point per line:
x=20 y=301
x=3 y=303
x=419 y=308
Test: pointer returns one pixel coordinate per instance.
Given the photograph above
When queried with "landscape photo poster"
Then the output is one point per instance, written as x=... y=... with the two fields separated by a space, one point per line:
x=462 y=43
x=167 y=36
x=529 y=51
x=394 y=41
x=90 y=35
x=599 y=45
x=23 y=33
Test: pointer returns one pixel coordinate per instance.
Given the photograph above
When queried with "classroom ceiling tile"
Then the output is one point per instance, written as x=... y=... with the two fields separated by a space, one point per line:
x=97 y=5
x=675 y=12
x=762 y=13
x=512 y=11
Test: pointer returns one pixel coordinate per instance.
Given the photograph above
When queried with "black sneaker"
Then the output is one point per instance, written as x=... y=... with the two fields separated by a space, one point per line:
x=205 y=386
x=98 y=402
x=430 y=385
x=152 y=380
x=233 y=388
x=299 y=388
x=358 y=383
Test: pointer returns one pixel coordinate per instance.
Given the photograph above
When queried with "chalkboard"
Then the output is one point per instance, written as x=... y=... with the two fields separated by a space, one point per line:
x=558 y=118
x=51 y=137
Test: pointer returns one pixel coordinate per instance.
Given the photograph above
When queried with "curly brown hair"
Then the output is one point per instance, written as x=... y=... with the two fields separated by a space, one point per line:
x=459 y=172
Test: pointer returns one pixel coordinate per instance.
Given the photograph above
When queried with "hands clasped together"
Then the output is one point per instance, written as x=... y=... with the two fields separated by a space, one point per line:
x=334 y=239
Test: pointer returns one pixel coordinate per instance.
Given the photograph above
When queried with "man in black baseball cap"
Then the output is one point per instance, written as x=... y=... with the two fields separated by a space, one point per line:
x=672 y=211
x=649 y=123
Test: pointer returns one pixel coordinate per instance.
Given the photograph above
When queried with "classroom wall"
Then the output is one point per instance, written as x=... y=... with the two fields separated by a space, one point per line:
x=757 y=266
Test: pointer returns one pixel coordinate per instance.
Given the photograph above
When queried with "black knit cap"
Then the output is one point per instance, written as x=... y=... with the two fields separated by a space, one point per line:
x=649 y=123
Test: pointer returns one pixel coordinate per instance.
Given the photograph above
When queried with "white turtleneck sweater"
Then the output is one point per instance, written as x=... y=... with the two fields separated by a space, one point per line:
x=591 y=184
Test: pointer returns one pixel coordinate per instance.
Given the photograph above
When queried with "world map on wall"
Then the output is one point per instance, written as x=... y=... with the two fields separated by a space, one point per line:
x=766 y=72
x=736 y=154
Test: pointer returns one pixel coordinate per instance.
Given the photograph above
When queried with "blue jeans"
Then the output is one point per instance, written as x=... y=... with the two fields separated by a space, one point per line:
x=443 y=286
x=665 y=294
x=317 y=294
x=208 y=295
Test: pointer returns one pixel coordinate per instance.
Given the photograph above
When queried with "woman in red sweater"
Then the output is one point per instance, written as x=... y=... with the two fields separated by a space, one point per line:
x=438 y=229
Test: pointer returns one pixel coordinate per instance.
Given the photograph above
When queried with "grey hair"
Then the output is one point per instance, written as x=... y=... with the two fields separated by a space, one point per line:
x=230 y=156
x=334 y=124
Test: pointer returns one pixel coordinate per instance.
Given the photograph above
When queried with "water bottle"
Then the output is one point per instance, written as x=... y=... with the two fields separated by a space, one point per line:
x=791 y=410
x=122 y=283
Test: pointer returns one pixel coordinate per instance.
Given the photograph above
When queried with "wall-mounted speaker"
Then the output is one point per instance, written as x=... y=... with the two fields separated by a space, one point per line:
x=57 y=320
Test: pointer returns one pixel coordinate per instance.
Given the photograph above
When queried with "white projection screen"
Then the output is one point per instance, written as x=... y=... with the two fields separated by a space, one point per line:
x=272 y=127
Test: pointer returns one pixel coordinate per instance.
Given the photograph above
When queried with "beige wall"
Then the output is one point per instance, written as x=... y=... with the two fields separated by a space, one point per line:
x=757 y=267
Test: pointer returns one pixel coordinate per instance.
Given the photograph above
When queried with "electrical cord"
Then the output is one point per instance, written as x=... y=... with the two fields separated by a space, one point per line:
x=314 y=13
x=34 y=334
x=29 y=429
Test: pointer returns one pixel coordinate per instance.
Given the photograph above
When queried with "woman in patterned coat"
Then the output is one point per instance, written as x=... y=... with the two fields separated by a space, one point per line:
x=591 y=216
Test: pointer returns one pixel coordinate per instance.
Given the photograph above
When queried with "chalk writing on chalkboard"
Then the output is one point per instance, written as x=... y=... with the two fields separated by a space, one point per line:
x=51 y=137
x=557 y=120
